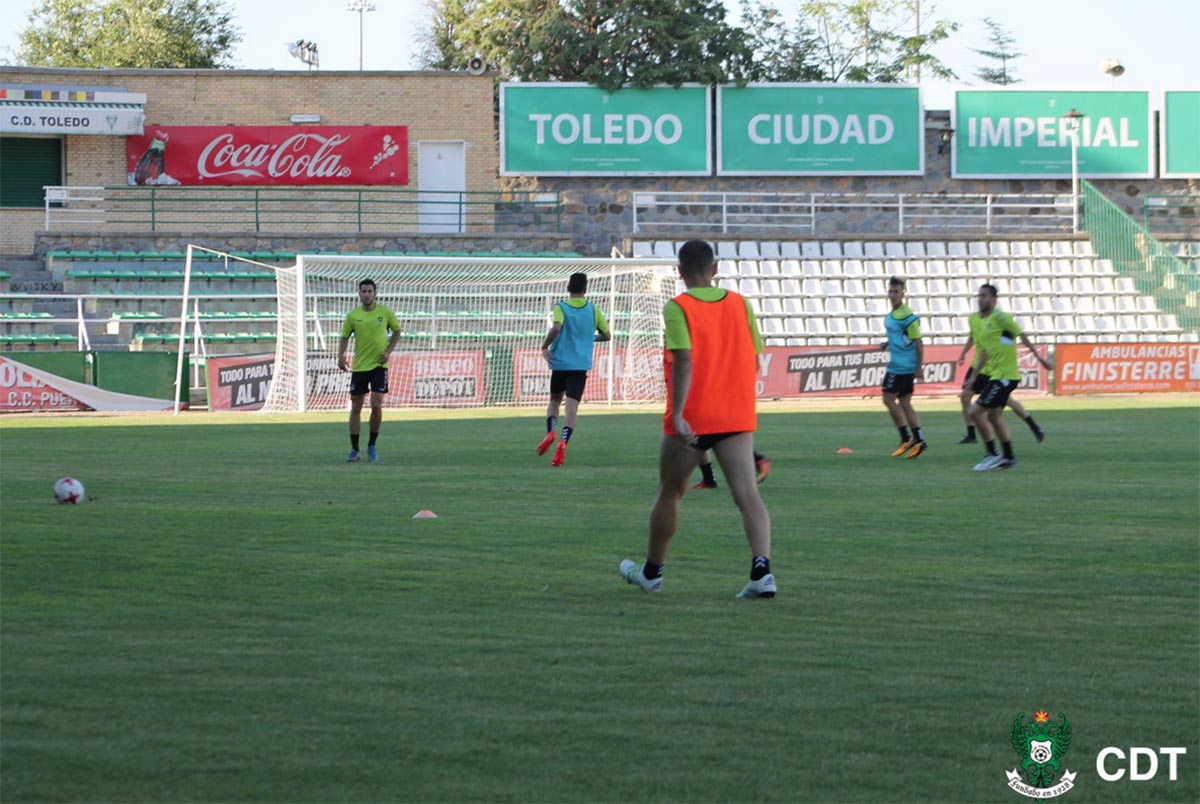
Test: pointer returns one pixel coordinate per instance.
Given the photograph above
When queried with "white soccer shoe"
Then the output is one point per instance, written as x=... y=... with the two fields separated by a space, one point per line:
x=763 y=587
x=989 y=462
x=631 y=571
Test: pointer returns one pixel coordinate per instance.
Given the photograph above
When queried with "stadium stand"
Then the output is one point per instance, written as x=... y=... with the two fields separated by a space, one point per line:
x=822 y=293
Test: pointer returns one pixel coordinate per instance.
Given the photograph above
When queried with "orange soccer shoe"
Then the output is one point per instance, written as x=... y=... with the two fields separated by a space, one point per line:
x=560 y=454
x=544 y=447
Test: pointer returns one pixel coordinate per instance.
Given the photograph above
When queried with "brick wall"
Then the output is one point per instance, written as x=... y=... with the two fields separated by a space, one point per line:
x=434 y=106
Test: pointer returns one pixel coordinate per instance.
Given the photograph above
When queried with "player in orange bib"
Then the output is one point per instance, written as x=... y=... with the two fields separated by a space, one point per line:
x=710 y=361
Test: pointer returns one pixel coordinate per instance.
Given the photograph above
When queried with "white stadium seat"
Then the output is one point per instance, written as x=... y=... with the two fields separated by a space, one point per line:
x=748 y=249
x=935 y=249
x=789 y=250
x=998 y=248
x=914 y=249
x=727 y=250
x=873 y=250
x=852 y=249
x=893 y=249
x=811 y=268
x=831 y=250
x=641 y=248
x=790 y=267
x=1019 y=248
x=769 y=250
x=768 y=268
x=664 y=248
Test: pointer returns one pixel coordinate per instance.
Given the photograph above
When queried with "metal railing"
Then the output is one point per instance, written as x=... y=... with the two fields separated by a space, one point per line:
x=900 y=213
x=265 y=209
x=1136 y=253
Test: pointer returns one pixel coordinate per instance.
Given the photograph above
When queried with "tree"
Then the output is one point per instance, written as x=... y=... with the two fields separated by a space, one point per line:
x=867 y=40
x=439 y=45
x=149 y=34
x=782 y=51
x=610 y=43
x=1003 y=49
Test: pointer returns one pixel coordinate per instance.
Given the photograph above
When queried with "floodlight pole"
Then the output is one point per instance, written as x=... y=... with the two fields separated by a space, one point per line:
x=360 y=6
x=1073 y=117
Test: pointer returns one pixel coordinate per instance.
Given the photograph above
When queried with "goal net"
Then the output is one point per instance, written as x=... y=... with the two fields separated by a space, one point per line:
x=472 y=329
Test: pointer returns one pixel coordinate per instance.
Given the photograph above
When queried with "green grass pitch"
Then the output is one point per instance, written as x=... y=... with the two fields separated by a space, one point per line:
x=241 y=615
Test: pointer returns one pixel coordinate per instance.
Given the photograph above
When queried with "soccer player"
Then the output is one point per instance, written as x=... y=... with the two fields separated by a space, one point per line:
x=369 y=325
x=903 y=329
x=568 y=349
x=998 y=334
x=710 y=361
x=975 y=381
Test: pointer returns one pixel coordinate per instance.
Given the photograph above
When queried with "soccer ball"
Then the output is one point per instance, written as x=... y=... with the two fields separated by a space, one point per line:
x=69 y=491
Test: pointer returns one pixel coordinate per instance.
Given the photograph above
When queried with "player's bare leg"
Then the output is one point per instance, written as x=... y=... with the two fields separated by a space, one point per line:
x=996 y=417
x=892 y=403
x=914 y=421
x=981 y=417
x=356 y=406
x=376 y=424
x=736 y=455
x=676 y=462
x=965 y=397
x=1027 y=417
x=560 y=452
x=551 y=422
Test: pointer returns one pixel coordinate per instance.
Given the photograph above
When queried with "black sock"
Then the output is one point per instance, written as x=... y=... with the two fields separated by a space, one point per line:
x=706 y=471
x=903 y=433
x=566 y=436
x=551 y=424
x=374 y=438
x=1032 y=424
x=759 y=566
x=991 y=447
x=354 y=441
x=1007 y=447
x=970 y=431
x=758 y=456
x=650 y=570
x=917 y=434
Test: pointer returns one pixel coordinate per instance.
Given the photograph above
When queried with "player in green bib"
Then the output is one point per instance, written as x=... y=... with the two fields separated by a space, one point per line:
x=376 y=331
x=975 y=381
x=998 y=334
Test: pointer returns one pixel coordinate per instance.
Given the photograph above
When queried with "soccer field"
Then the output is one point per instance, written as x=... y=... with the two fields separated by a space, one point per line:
x=240 y=615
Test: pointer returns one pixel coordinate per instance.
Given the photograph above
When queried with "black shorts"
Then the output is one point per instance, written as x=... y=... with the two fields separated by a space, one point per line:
x=572 y=382
x=374 y=380
x=995 y=394
x=978 y=382
x=707 y=442
x=898 y=384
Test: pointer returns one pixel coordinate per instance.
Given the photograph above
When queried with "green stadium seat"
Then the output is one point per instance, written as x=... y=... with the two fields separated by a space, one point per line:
x=129 y=255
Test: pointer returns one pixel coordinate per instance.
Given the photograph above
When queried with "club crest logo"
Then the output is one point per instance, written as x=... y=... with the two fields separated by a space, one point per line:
x=1040 y=746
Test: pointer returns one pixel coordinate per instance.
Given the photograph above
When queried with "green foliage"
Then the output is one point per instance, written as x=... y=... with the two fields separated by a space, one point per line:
x=148 y=34
x=877 y=40
x=1002 y=48
x=242 y=616
x=610 y=43
x=783 y=50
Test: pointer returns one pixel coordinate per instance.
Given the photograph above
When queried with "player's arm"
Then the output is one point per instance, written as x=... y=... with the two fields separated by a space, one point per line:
x=920 y=344
x=602 y=331
x=551 y=337
x=1029 y=345
x=681 y=383
x=966 y=348
x=394 y=326
x=347 y=332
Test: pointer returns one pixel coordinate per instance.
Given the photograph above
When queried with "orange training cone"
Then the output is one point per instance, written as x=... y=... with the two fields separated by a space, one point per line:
x=845 y=451
x=425 y=513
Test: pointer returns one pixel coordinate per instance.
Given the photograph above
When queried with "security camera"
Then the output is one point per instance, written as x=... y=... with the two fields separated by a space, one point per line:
x=1112 y=66
x=476 y=65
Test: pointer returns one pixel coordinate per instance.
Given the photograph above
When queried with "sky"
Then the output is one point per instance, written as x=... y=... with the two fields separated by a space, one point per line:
x=1065 y=40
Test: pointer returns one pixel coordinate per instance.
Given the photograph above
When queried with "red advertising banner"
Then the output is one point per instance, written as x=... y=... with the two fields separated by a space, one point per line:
x=436 y=378
x=636 y=373
x=1126 y=368
x=284 y=155
x=239 y=383
x=20 y=390
x=797 y=371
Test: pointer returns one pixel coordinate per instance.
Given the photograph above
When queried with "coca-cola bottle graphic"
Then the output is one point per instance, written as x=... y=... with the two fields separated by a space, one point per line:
x=153 y=163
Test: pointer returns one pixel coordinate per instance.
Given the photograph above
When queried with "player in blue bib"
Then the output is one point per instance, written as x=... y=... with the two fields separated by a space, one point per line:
x=578 y=324
x=903 y=329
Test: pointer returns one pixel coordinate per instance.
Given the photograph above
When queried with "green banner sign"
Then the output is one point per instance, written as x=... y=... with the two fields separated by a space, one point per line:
x=580 y=130
x=1181 y=135
x=820 y=130
x=1026 y=134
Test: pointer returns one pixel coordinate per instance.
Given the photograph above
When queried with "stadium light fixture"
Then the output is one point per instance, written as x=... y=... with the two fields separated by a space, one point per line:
x=361 y=6
x=305 y=51
x=1073 y=117
x=1113 y=68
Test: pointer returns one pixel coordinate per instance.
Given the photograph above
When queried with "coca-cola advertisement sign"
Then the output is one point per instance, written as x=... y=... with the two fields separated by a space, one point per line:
x=293 y=155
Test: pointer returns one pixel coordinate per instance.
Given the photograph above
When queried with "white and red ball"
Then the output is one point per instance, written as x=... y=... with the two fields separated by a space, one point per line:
x=69 y=491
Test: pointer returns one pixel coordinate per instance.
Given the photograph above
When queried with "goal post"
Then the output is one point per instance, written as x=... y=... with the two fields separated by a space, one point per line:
x=471 y=328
